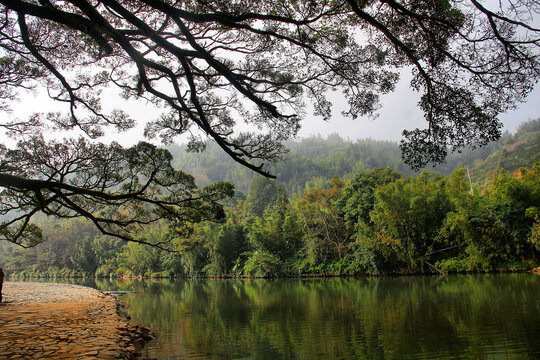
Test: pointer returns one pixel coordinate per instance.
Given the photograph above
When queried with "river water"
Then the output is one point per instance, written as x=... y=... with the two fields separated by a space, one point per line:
x=420 y=317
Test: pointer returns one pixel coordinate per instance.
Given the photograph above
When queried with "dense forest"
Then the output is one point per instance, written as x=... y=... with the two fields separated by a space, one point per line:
x=337 y=208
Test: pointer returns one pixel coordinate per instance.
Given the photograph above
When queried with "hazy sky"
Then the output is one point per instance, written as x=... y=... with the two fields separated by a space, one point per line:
x=399 y=111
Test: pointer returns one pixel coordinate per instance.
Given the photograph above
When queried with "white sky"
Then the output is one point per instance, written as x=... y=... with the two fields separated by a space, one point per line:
x=399 y=111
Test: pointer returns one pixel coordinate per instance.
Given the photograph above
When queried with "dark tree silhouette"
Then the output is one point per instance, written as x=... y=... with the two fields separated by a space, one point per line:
x=119 y=190
x=210 y=64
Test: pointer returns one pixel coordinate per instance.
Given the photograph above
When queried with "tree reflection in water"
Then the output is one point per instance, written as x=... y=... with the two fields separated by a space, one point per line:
x=464 y=316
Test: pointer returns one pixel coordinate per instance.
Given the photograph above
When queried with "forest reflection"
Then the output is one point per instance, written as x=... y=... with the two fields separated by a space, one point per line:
x=463 y=316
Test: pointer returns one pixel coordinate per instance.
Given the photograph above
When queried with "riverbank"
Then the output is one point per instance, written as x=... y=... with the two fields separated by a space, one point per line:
x=60 y=321
x=90 y=279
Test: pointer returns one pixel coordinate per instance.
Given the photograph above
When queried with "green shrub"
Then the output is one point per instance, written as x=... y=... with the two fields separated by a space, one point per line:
x=263 y=264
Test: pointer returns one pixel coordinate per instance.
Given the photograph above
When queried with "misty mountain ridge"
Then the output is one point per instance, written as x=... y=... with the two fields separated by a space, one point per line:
x=314 y=160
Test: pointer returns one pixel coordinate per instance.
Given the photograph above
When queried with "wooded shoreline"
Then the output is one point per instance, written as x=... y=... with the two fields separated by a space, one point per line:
x=26 y=277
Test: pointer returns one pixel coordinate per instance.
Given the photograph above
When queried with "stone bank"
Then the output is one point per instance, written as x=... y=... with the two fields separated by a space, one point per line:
x=58 y=321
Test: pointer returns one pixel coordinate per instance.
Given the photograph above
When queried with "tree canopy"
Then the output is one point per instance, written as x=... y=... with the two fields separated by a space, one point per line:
x=118 y=190
x=210 y=65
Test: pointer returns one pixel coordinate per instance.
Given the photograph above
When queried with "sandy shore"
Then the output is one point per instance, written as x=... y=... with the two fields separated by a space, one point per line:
x=58 y=321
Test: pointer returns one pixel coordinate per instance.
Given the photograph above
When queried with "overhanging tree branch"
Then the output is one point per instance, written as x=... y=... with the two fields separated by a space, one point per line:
x=113 y=197
x=211 y=67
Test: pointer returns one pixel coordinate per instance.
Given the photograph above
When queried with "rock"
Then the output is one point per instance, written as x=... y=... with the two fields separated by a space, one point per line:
x=147 y=337
x=65 y=322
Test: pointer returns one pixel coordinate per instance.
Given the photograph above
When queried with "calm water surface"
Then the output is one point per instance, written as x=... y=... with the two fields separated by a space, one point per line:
x=453 y=317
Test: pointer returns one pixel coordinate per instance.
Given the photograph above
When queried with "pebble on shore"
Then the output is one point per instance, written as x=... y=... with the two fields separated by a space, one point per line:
x=60 y=321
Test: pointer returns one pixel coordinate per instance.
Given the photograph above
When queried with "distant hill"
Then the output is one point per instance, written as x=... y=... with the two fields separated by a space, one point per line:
x=314 y=160
x=516 y=151
x=310 y=161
